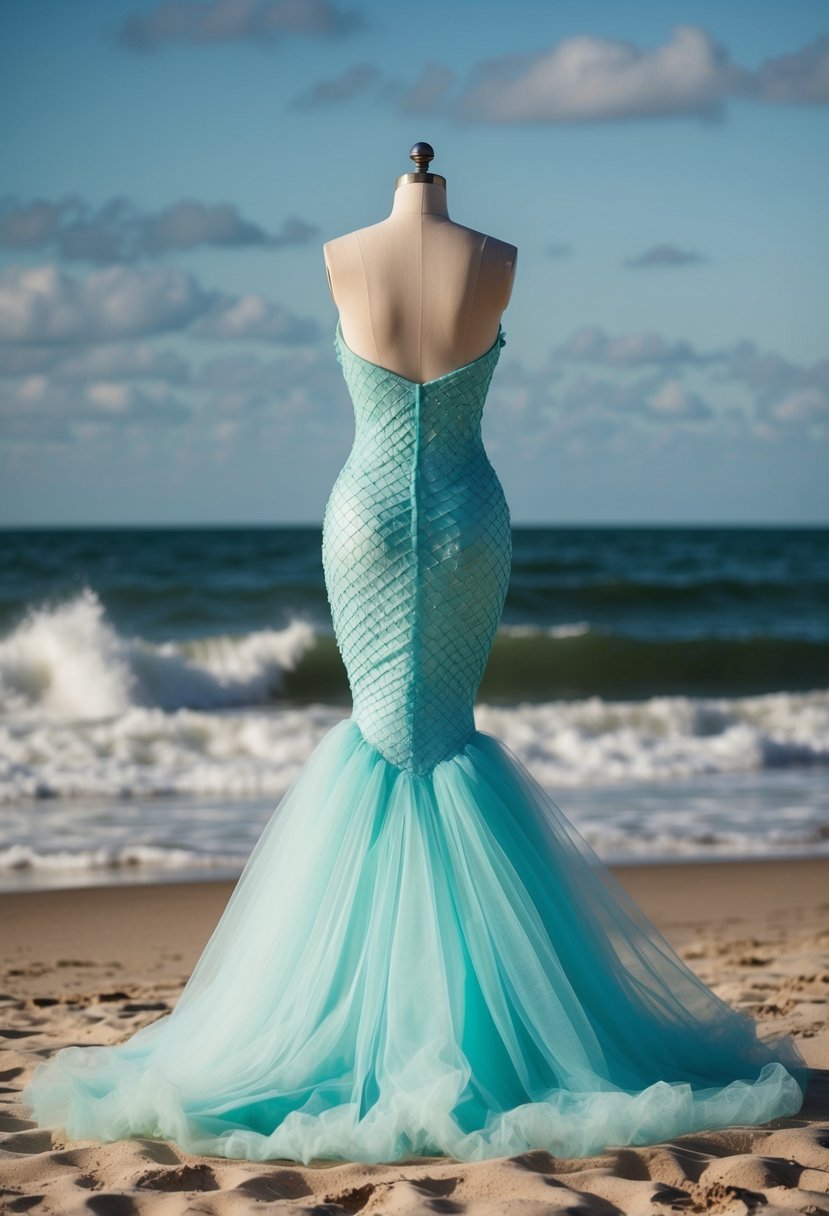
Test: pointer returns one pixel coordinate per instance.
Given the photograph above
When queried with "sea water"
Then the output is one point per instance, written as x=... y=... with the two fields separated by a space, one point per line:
x=159 y=689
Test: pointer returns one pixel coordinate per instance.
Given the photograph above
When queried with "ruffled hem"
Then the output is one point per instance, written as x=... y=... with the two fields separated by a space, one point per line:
x=142 y=1102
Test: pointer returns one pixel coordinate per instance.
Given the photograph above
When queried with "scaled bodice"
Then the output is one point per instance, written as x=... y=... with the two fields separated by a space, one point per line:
x=416 y=551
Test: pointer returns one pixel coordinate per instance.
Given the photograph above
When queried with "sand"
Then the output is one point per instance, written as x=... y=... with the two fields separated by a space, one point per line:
x=91 y=966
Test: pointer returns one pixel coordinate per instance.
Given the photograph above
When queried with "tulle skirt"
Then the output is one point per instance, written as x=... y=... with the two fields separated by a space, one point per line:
x=419 y=965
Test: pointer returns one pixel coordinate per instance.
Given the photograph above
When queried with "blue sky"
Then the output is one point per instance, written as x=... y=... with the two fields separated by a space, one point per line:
x=172 y=170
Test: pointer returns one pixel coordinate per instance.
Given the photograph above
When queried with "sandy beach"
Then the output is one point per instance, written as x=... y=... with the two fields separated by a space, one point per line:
x=92 y=965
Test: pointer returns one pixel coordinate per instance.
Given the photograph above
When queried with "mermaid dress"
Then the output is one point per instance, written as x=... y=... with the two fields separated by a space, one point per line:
x=422 y=955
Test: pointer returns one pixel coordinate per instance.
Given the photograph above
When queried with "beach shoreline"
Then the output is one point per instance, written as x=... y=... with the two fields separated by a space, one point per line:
x=92 y=965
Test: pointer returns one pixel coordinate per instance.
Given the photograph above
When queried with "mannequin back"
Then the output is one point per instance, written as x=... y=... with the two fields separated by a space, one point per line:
x=417 y=293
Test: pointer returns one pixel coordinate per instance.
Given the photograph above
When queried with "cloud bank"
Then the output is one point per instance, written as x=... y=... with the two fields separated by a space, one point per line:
x=589 y=79
x=206 y=22
x=117 y=231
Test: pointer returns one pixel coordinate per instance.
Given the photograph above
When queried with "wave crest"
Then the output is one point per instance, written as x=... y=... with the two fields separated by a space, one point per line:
x=66 y=661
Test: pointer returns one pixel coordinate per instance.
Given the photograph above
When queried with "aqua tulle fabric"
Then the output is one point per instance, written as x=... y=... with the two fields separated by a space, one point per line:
x=422 y=955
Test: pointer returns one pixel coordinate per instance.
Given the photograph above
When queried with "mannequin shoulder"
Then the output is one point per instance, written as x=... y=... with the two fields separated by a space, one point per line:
x=345 y=245
x=338 y=250
x=343 y=261
x=498 y=262
x=498 y=252
x=497 y=255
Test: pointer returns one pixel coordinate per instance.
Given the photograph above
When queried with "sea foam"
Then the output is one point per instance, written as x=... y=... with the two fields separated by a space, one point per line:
x=66 y=661
x=87 y=712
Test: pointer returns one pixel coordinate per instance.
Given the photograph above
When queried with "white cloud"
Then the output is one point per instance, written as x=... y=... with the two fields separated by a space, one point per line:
x=428 y=92
x=776 y=390
x=664 y=255
x=673 y=400
x=253 y=318
x=43 y=305
x=37 y=409
x=351 y=83
x=240 y=383
x=736 y=393
x=593 y=345
x=805 y=405
x=123 y=361
x=585 y=78
x=116 y=231
x=798 y=78
x=781 y=390
x=202 y=22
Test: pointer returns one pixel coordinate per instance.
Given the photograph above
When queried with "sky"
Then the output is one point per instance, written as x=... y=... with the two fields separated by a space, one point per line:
x=171 y=170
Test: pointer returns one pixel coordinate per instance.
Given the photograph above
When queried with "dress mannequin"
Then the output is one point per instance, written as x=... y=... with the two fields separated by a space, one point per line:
x=417 y=293
x=422 y=955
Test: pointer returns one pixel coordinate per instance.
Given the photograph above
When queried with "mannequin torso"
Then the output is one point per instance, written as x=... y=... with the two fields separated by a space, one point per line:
x=417 y=293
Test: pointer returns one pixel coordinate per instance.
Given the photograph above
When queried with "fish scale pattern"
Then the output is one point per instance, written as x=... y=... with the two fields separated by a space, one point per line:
x=416 y=550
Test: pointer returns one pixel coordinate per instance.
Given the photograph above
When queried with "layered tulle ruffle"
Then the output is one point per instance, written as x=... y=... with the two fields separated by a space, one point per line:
x=426 y=964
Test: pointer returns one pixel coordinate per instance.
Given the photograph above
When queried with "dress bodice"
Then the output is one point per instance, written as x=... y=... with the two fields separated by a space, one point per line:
x=416 y=552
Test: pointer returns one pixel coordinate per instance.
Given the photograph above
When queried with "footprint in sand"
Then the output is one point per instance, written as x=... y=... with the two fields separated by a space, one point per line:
x=180 y=1178
x=282 y=1184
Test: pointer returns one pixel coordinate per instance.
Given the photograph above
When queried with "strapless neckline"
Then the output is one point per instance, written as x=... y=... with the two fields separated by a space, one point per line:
x=341 y=344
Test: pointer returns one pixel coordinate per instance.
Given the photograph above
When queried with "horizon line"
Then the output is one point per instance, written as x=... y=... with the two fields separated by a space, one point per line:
x=63 y=526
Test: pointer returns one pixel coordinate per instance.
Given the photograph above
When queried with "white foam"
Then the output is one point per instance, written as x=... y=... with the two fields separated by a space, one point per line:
x=572 y=629
x=590 y=742
x=593 y=741
x=146 y=753
x=25 y=857
x=66 y=662
x=727 y=815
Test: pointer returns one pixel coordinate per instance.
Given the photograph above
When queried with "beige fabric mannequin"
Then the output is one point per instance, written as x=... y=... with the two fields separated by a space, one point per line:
x=417 y=293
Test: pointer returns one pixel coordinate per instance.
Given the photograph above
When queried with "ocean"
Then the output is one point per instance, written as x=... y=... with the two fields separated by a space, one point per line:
x=160 y=688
